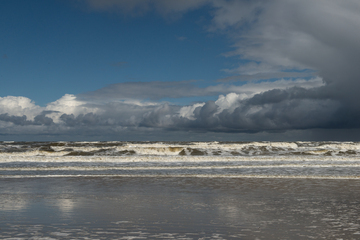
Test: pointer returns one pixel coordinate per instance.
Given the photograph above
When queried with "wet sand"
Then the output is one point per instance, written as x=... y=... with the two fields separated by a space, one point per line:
x=179 y=208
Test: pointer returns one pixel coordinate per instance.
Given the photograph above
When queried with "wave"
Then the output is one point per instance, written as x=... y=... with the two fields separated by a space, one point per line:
x=179 y=148
x=338 y=160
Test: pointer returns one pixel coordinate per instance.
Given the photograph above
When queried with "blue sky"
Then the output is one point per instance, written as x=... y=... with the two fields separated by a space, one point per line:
x=51 y=48
x=164 y=70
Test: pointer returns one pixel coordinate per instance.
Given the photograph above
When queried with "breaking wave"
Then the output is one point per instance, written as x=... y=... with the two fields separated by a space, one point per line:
x=180 y=159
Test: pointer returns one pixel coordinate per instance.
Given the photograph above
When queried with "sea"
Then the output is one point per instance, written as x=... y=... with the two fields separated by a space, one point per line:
x=324 y=160
x=179 y=190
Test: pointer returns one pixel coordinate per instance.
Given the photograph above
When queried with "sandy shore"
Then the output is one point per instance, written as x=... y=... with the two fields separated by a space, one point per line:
x=179 y=208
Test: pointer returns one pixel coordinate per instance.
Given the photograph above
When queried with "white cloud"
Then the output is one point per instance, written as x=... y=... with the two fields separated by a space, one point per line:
x=230 y=101
x=68 y=104
x=19 y=106
x=188 y=111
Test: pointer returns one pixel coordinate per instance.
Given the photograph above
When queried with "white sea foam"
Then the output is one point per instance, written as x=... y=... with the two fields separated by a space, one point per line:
x=189 y=148
x=311 y=159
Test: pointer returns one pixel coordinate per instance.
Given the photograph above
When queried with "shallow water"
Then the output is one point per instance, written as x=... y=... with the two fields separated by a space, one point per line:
x=179 y=208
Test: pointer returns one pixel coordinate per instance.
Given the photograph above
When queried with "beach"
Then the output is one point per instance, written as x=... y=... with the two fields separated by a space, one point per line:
x=179 y=190
x=193 y=119
x=179 y=208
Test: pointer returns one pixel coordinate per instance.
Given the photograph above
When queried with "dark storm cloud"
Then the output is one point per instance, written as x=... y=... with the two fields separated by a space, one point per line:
x=22 y=120
x=40 y=119
x=319 y=35
x=89 y=119
x=159 y=117
x=43 y=120
x=17 y=120
x=322 y=36
x=294 y=108
x=279 y=113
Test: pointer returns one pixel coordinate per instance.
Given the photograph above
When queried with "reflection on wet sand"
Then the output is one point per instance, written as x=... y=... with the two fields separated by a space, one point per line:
x=179 y=208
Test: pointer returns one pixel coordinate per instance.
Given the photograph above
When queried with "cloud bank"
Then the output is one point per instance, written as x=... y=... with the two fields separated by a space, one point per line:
x=253 y=107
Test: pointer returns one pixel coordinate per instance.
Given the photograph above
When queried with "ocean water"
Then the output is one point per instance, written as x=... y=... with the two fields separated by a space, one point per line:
x=179 y=190
x=323 y=160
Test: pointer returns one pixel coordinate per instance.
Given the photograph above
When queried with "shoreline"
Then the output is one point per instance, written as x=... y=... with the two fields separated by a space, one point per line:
x=217 y=176
x=179 y=208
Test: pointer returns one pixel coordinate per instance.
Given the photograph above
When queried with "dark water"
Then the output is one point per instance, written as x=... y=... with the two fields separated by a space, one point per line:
x=179 y=208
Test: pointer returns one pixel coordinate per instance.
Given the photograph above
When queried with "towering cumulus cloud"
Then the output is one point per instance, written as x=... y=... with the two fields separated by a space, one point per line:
x=298 y=70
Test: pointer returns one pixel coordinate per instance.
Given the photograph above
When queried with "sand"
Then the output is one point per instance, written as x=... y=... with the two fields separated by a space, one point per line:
x=179 y=208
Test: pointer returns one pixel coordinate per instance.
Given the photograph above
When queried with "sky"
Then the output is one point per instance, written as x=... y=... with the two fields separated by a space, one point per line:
x=191 y=70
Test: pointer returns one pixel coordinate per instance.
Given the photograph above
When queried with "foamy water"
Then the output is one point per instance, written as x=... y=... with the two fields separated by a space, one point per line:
x=327 y=160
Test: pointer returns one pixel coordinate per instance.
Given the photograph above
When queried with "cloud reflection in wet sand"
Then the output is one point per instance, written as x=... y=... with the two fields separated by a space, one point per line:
x=180 y=208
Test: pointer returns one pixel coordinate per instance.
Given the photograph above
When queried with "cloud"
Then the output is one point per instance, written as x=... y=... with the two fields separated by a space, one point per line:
x=277 y=35
x=144 y=90
x=301 y=74
x=19 y=106
x=265 y=76
x=252 y=88
x=280 y=35
x=89 y=119
x=68 y=104
x=294 y=108
x=14 y=119
x=261 y=71
x=98 y=113
x=183 y=89
x=42 y=119
x=275 y=110
x=284 y=107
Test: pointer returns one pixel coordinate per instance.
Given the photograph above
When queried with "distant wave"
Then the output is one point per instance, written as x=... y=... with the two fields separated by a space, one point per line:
x=335 y=160
x=179 y=148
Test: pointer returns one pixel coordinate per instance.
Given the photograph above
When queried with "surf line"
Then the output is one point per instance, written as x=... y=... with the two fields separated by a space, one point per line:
x=183 y=176
x=103 y=168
